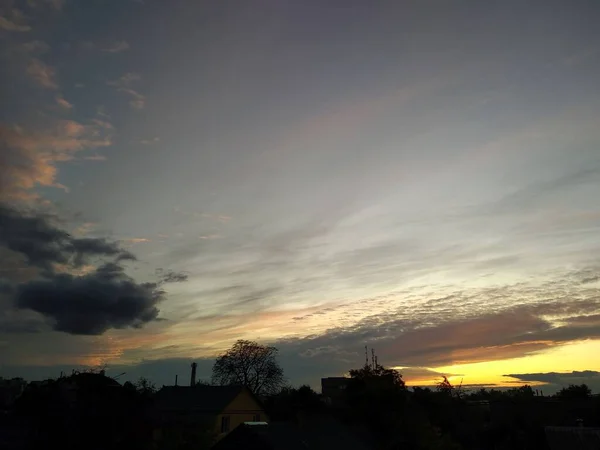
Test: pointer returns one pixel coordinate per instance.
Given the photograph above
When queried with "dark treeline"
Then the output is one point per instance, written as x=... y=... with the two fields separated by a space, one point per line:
x=93 y=411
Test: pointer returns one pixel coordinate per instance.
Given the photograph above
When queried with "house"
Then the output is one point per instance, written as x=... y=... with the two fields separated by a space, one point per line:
x=216 y=409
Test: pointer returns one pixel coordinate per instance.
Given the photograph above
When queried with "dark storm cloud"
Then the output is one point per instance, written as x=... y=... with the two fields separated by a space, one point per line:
x=555 y=377
x=43 y=244
x=88 y=304
x=98 y=246
x=9 y=325
x=554 y=381
x=93 y=303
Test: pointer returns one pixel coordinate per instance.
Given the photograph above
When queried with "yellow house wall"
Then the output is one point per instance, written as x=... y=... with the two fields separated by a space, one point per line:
x=242 y=409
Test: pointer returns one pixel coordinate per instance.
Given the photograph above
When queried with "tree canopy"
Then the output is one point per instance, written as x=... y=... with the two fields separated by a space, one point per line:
x=574 y=391
x=249 y=364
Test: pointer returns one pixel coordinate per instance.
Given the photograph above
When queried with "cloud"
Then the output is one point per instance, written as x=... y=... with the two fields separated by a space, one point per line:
x=103 y=123
x=441 y=338
x=40 y=4
x=123 y=84
x=135 y=240
x=125 y=80
x=8 y=25
x=35 y=47
x=93 y=303
x=62 y=102
x=210 y=236
x=87 y=302
x=149 y=141
x=591 y=279
x=29 y=158
x=554 y=381
x=42 y=74
x=95 y=158
x=138 y=101
x=43 y=245
x=554 y=377
x=170 y=276
x=117 y=47
x=581 y=56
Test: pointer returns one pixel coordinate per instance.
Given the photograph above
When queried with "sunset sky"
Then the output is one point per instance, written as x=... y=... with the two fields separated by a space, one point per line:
x=418 y=176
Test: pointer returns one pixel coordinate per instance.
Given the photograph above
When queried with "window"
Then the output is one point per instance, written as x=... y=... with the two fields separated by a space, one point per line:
x=224 y=424
x=256 y=418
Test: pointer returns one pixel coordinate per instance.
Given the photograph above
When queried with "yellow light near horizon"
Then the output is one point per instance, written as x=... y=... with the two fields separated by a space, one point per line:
x=582 y=355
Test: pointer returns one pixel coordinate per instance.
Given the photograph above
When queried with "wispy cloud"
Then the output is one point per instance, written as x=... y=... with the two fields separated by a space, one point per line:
x=31 y=157
x=40 y=4
x=123 y=84
x=8 y=25
x=42 y=74
x=103 y=123
x=138 y=100
x=210 y=236
x=149 y=141
x=135 y=240
x=125 y=80
x=84 y=229
x=60 y=100
x=95 y=158
x=35 y=47
x=101 y=111
x=117 y=47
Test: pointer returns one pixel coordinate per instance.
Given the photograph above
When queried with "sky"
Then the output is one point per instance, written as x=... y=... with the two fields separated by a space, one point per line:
x=421 y=177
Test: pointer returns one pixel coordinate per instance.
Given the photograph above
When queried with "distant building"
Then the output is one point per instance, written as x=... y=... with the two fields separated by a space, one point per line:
x=333 y=390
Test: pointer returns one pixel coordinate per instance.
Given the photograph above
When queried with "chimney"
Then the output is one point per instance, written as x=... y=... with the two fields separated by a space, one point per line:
x=193 y=378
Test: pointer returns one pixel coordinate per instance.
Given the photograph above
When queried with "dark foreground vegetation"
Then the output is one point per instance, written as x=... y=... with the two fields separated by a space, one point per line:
x=372 y=409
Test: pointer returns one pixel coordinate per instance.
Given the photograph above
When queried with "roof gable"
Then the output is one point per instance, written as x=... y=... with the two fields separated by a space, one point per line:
x=239 y=402
x=197 y=398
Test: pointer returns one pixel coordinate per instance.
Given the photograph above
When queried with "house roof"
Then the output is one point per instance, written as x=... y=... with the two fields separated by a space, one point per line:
x=197 y=398
x=93 y=380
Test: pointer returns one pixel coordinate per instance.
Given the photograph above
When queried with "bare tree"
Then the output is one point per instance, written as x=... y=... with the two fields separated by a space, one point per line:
x=249 y=364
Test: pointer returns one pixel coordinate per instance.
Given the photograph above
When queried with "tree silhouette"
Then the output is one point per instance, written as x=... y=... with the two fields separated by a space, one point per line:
x=445 y=386
x=249 y=364
x=378 y=374
x=574 y=391
x=144 y=386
